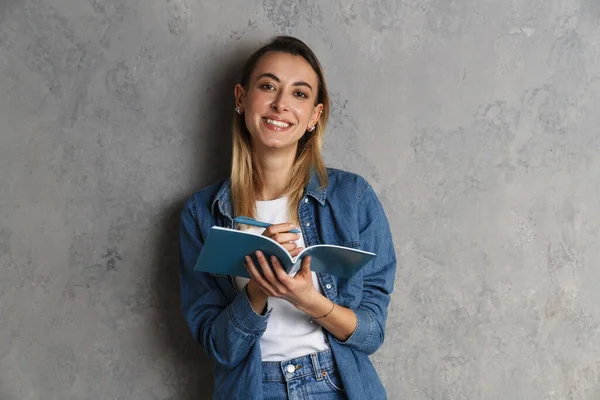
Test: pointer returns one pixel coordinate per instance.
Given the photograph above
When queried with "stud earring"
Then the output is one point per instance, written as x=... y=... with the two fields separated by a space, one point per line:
x=312 y=128
x=238 y=110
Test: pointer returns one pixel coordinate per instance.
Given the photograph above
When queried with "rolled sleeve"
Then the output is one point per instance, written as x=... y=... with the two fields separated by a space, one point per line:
x=378 y=275
x=245 y=318
x=227 y=329
x=363 y=333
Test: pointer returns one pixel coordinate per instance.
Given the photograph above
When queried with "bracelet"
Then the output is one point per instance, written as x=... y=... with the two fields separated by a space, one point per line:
x=323 y=316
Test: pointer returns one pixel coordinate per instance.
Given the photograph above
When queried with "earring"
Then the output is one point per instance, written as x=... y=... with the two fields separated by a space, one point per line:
x=238 y=110
x=312 y=128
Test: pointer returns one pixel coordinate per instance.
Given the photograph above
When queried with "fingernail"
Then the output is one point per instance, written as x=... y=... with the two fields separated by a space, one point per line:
x=247 y=258
x=258 y=253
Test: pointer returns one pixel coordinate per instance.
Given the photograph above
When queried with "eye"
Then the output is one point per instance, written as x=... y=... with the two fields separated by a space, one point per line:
x=302 y=95
x=267 y=86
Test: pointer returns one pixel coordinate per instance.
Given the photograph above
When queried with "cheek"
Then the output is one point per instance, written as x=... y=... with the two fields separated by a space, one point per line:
x=303 y=113
x=258 y=100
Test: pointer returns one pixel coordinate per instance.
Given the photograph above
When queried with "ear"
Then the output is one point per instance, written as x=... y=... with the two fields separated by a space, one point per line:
x=316 y=115
x=239 y=92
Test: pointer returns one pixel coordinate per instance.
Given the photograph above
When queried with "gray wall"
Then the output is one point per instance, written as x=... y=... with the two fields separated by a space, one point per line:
x=475 y=121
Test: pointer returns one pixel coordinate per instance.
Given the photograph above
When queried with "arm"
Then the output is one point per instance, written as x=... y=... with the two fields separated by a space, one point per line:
x=340 y=321
x=363 y=327
x=273 y=280
x=227 y=330
x=378 y=275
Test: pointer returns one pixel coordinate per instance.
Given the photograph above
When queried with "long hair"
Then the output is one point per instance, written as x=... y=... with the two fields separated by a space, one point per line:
x=245 y=178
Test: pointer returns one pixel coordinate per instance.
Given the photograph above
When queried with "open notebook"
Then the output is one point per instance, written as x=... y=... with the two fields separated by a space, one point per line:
x=224 y=251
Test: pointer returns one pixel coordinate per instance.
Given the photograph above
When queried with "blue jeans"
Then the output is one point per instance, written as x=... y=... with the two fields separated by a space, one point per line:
x=309 y=377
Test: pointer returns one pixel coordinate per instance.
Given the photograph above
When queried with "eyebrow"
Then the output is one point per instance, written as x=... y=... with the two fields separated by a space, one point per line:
x=276 y=79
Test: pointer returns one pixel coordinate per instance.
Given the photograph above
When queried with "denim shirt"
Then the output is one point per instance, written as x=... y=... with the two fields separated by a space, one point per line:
x=347 y=213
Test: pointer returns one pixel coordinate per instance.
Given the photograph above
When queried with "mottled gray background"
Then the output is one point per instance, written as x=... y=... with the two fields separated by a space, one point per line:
x=477 y=122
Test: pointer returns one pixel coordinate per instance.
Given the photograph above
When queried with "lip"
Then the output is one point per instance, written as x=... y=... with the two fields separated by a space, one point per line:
x=276 y=118
x=276 y=128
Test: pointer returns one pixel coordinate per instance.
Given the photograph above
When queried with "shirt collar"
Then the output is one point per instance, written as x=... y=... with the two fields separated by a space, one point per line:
x=224 y=202
x=314 y=189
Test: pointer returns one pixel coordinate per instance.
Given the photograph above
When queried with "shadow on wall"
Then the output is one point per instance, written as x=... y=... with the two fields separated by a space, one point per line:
x=192 y=367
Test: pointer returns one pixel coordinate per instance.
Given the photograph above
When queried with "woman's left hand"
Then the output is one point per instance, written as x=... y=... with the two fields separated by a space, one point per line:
x=275 y=282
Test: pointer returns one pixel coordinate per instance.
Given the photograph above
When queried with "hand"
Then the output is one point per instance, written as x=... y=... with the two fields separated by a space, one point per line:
x=275 y=282
x=280 y=233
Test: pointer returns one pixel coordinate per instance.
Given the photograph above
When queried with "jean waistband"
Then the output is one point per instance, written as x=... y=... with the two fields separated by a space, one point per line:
x=284 y=371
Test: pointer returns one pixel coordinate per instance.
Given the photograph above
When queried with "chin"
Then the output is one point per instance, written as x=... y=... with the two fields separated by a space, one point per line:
x=276 y=145
x=270 y=142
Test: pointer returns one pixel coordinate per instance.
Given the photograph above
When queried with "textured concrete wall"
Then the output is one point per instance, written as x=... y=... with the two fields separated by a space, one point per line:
x=476 y=121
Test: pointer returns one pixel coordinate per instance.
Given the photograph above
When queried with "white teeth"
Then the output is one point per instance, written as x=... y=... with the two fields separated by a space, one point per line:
x=279 y=124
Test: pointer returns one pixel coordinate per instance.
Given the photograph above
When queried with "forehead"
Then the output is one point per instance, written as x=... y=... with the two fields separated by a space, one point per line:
x=287 y=67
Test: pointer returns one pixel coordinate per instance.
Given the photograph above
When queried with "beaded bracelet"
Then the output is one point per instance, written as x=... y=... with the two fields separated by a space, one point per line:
x=323 y=316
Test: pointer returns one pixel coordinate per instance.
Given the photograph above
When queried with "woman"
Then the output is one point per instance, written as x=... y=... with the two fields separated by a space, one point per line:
x=276 y=336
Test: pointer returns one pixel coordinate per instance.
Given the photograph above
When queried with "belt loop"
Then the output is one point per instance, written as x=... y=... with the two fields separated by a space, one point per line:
x=316 y=367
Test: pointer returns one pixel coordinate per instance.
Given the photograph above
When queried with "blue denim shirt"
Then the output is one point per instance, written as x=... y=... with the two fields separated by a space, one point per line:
x=347 y=213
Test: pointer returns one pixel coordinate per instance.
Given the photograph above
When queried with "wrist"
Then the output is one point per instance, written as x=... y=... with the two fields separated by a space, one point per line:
x=258 y=299
x=317 y=305
x=254 y=292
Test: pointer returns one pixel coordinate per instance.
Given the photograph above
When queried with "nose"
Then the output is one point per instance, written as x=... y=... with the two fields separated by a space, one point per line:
x=279 y=104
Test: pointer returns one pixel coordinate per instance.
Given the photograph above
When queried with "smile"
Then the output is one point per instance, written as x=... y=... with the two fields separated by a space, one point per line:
x=275 y=123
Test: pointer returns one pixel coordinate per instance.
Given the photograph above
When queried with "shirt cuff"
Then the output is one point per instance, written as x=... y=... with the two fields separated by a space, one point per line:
x=245 y=318
x=362 y=333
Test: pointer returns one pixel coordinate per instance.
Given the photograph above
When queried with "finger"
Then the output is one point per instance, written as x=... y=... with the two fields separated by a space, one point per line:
x=285 y=237
x=254 y=272
x=296 y=251
x=289 y=246
x=305 y=268
x=283 y=276
x=268 y=272
x=257 y=277
x=279 y=228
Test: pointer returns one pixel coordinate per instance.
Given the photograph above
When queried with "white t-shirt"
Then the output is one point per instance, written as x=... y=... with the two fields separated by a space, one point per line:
x=290 y=332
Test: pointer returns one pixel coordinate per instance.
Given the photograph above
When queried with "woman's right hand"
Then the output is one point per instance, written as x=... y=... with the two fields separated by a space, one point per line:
x=280 y=233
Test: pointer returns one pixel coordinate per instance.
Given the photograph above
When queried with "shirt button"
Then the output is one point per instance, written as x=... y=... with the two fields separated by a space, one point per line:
x=305 y=200
x=290 y=368
x=307 y=224
x=328 y=286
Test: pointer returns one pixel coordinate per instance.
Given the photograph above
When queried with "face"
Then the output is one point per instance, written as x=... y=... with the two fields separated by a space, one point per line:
x=279 y=102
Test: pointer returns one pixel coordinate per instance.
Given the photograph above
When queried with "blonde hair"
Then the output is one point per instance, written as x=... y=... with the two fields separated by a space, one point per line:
x=245 y=178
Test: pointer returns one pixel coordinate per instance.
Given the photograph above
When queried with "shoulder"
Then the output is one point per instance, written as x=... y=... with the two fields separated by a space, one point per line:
x=203 y=198
x=346 y=183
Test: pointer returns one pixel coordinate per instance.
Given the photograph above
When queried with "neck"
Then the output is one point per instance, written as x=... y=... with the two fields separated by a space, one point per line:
x=275 y=168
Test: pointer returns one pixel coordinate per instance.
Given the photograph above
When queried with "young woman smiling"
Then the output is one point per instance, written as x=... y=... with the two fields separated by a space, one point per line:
x=277 y=336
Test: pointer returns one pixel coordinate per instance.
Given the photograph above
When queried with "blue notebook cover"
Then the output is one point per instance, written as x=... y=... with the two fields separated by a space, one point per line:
x=224 y=251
